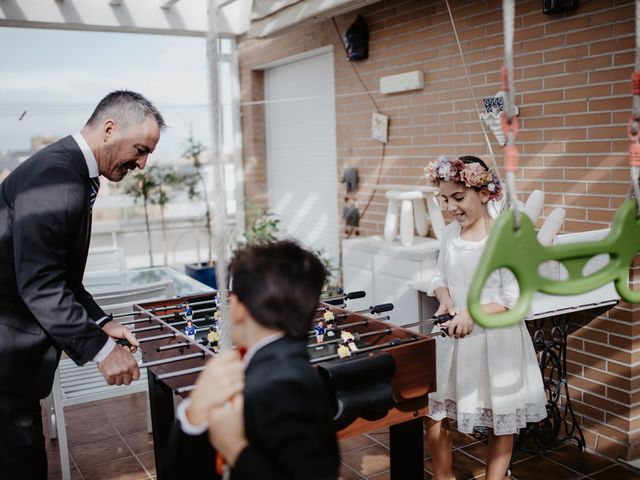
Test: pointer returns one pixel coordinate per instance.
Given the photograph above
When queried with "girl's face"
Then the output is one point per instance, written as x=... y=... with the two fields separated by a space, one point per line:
x=466 y=205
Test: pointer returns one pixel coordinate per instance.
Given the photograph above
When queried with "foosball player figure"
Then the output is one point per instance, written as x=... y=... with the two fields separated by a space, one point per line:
x=331 y=328
x=347 y=338
x=320 y=331
x=343 y=350
x=214 y=337
x=217 y=315
x=188 y=311
x=329 y=320
x=190 y=330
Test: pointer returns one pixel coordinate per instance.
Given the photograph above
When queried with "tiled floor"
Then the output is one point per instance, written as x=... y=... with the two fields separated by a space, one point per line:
x=109 y=440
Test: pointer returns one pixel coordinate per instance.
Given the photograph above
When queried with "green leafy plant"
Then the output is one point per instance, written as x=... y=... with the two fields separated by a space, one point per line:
x=139 y=185
x=261 y=226
x=164 y=179
x=153 y=186
x=196 y=186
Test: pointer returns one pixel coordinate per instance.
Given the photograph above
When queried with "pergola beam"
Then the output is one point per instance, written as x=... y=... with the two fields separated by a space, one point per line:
x=167 y=4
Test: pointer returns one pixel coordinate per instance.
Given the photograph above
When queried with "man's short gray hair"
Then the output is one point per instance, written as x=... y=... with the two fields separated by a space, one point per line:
x=126 y=107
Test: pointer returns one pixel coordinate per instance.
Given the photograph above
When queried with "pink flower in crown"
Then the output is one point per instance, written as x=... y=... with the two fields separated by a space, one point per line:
x=474 y=175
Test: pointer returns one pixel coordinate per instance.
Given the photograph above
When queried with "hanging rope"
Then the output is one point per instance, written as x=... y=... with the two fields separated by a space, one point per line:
x=473 y=94
x=510 y=123
x=220 y=235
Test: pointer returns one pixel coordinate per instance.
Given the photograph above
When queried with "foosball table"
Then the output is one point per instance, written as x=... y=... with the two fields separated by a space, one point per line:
x=376 y=374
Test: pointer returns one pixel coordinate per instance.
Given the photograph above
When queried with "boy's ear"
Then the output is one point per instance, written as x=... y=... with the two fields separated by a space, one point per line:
x=239 y=312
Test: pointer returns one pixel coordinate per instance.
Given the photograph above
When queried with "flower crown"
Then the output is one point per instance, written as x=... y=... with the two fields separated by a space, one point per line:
x=472 y=175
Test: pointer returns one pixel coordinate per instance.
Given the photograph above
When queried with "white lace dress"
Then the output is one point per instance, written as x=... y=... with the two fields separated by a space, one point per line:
x=491 y=377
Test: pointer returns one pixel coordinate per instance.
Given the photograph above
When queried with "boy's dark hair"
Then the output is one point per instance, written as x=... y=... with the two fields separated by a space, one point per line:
x=280 y=284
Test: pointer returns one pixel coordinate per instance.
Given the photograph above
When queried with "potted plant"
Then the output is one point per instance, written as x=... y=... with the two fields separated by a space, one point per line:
x=197 y=188
x=262 y=226
x=163 y=179
x=139 y=186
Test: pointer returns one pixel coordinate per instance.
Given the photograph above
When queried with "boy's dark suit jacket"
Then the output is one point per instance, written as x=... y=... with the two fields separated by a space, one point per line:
x=287 y=424
x=45 y=226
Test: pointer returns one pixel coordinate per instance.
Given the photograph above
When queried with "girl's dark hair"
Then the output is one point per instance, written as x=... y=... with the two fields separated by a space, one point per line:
x=280 y=284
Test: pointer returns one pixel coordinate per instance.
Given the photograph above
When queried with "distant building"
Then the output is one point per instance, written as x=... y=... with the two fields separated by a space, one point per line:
x=12 y=159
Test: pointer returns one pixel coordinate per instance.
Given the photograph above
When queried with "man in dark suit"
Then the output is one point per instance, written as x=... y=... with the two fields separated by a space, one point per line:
x=45 y=227
x=281 y=428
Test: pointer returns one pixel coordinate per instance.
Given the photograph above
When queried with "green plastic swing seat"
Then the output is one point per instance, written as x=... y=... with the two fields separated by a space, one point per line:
x=519 y=251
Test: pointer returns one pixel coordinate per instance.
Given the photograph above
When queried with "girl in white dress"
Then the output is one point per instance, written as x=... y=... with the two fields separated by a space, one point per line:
x=485 y=377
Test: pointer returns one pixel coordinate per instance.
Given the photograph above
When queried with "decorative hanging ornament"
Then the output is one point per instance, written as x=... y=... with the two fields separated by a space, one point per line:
x=494 y=109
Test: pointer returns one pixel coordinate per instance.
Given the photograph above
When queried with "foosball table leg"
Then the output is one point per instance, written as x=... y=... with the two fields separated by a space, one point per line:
x=407 y=450
x=162 y=415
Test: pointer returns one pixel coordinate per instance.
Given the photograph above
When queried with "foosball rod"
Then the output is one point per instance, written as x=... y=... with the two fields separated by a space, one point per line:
x=155 y=309
x=180 y=358
x=375 y=309
x=356 y=336
x=432 y=321
x=168 y=335
x=343 y=297
x=171 y=324
x=392 y=343
x=177 y=314
x=364 y=322
x=179 y=373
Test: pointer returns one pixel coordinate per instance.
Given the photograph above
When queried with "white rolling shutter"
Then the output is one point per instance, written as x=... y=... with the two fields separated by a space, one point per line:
x=301 y=150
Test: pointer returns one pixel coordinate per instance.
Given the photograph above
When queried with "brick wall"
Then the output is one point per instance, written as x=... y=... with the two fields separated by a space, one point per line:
x=572 y=83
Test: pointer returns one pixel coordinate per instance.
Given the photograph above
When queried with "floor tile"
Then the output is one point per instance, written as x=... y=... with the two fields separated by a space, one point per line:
x=617 y=472
x=75 y=475
x=139 y=442
x=462 y=439
x=149 y=461
x=347 y=473
x=87 y=413
x=355 y=443
x=122 y=469
x=387 y=476
x=127 y=424
x=78 y=434
x=477 y=450
x=381 y=436
x=109 y=449
x=537 y=468
x=583 y=462
x=464 y=466
x=369 y=460
x=125 y=405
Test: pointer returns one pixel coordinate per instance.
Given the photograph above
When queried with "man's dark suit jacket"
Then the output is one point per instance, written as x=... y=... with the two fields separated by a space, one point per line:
x=45 y=226
x=287 y=424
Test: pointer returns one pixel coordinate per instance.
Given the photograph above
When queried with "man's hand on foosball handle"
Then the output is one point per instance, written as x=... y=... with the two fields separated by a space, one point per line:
x=122 y=335
x=119 y=368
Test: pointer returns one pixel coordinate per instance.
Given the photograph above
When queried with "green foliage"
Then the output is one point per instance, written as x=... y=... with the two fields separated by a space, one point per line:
x=196 y=186
x=163 y=179
x=332 y=271
x=262 y=226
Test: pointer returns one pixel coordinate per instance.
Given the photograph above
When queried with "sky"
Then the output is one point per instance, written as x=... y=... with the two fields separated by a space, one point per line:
x=59 y=76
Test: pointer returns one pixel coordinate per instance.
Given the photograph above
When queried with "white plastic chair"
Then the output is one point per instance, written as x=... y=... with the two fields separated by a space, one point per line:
x=74 y=385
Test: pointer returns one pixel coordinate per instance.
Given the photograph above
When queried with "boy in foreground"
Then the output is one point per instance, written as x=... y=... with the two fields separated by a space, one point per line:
x=267 y=413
